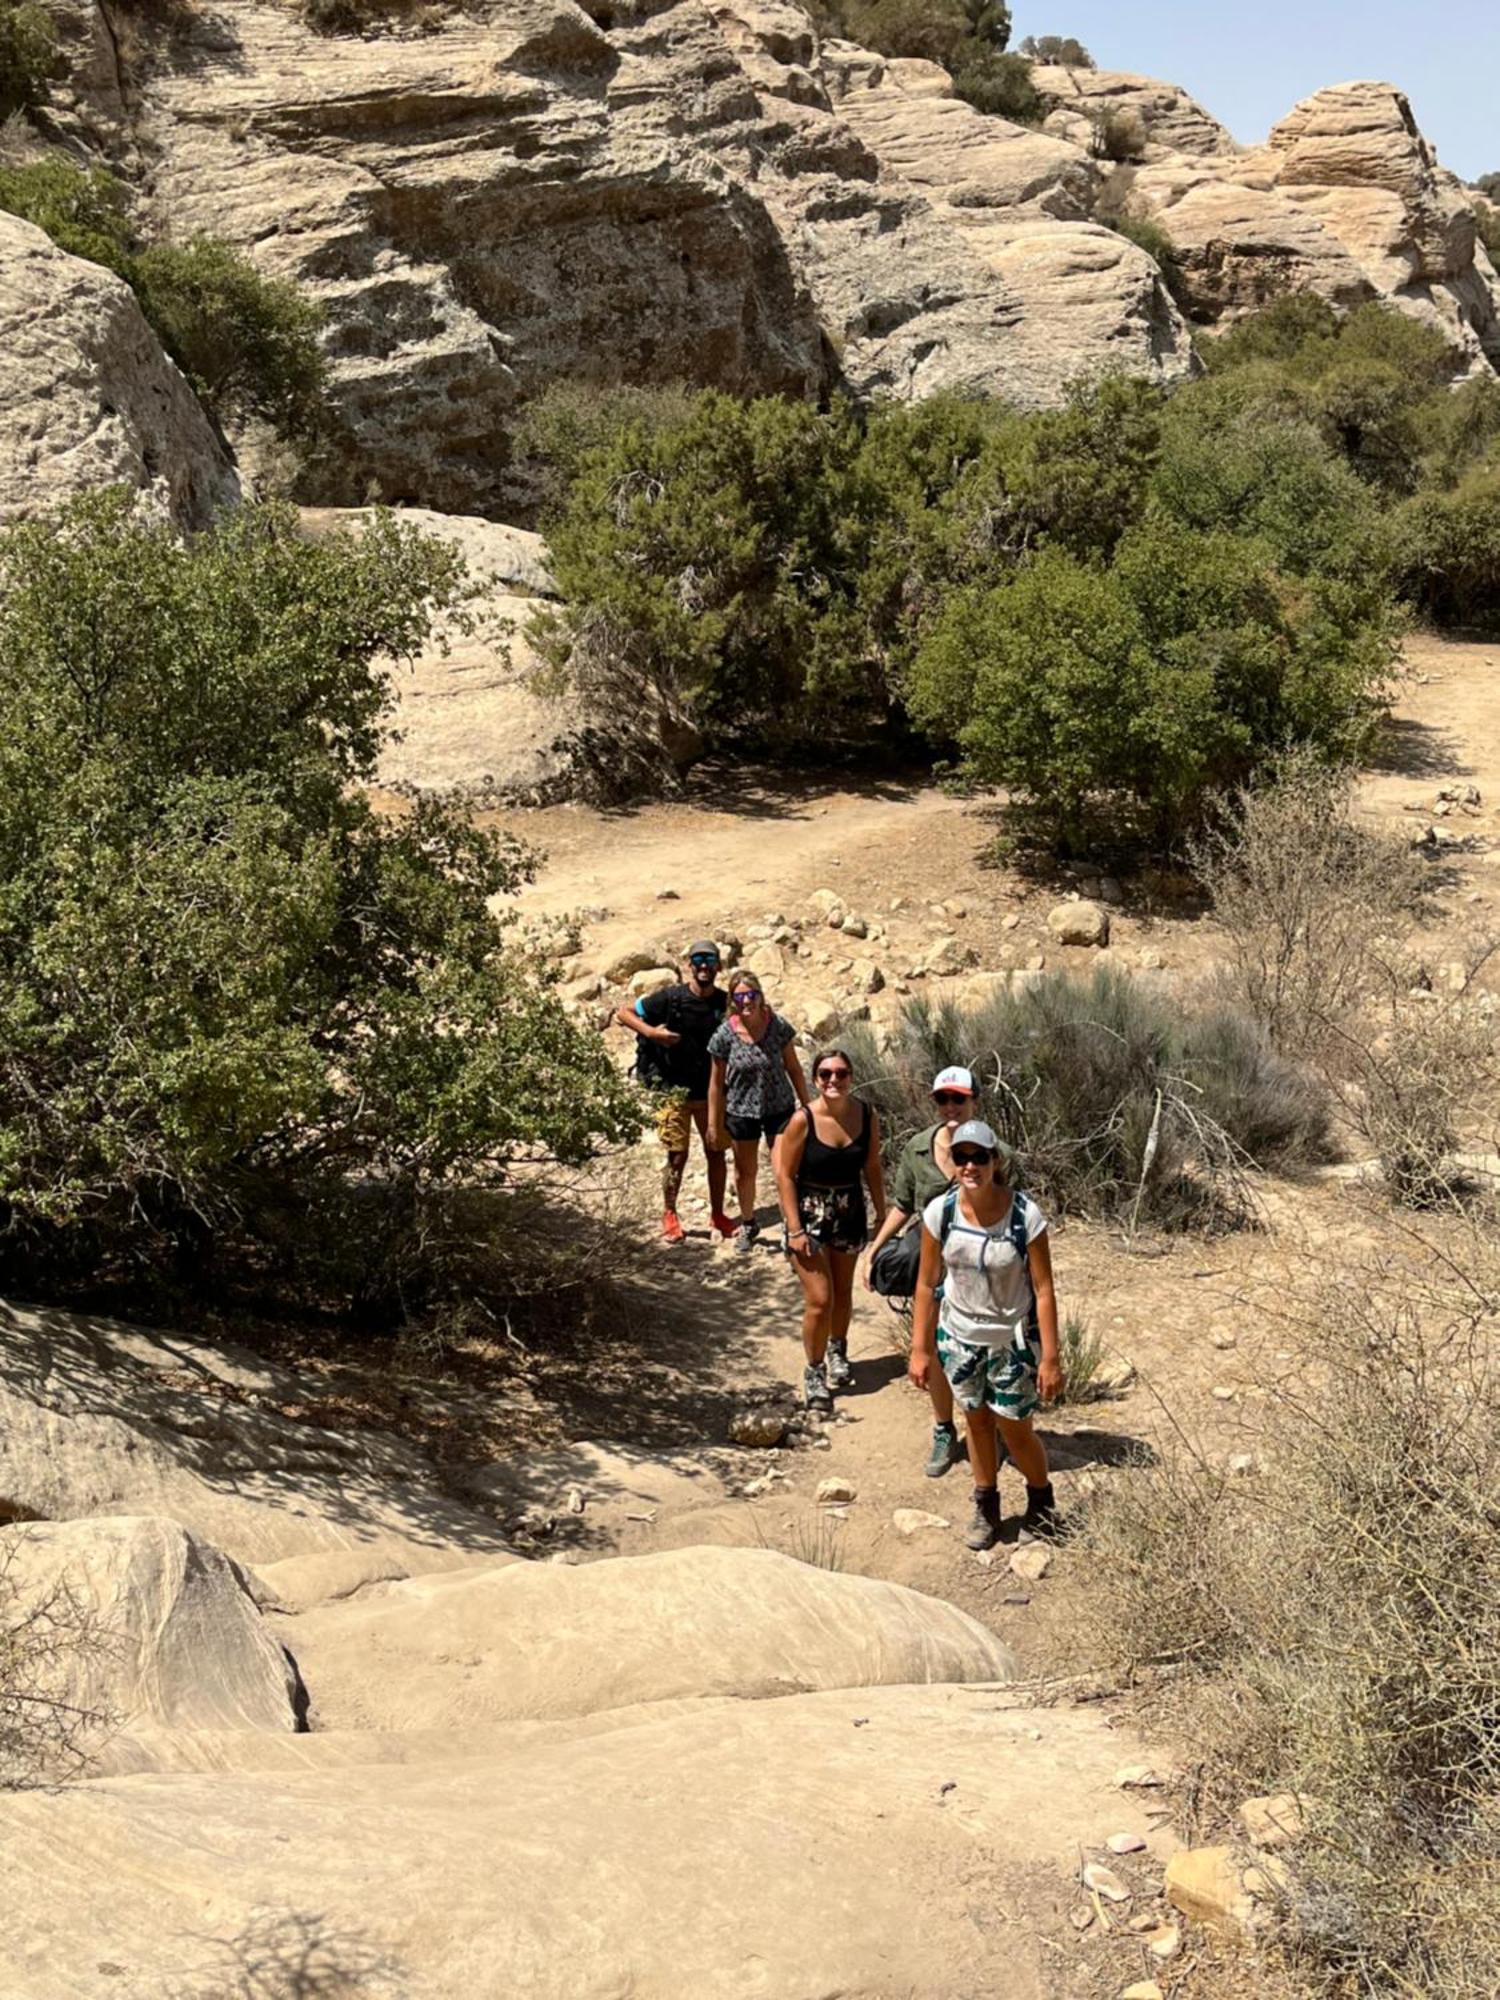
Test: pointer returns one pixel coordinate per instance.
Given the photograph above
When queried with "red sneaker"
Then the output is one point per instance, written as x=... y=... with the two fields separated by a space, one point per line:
x=724 y=1226
x=671 y=1228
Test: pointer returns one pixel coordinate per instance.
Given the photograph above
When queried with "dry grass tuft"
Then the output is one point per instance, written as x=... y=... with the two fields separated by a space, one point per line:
x=1332 y=1627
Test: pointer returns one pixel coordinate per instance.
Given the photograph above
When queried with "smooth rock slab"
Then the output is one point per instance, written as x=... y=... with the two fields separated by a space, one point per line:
x=667 y=1858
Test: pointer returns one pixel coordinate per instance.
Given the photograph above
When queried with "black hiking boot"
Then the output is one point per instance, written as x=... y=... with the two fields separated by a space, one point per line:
x=816 y=1393
x=840 y=1374
x=1041 y=1521
x=983 y=1530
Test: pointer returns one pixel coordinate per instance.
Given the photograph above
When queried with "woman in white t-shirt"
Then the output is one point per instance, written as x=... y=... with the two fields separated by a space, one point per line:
x=995 y=1331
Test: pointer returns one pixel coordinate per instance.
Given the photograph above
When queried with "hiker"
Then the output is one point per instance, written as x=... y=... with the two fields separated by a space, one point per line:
x=755 y=1083
x=675 y=1025
x=823 y=1157
x=995 y=1330
x=924 y=1171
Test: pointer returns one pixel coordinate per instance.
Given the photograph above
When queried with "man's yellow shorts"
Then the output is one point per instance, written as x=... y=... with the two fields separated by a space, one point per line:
x=675 y=1120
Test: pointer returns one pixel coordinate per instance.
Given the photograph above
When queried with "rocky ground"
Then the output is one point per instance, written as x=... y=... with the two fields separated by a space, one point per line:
x=589 y=1672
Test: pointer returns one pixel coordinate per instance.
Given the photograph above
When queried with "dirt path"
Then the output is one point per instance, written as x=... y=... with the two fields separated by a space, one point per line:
x=1200 y=1322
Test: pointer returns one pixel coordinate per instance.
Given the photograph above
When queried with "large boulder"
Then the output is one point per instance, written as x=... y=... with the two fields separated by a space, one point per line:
x=542 y=1641
x=865 y=1843
x=155 y=1635
x=101 y=1418
x=87 y=397
x=1167 y=119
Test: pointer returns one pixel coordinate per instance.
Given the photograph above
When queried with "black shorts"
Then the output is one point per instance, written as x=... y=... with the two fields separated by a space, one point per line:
x=834 y=1218
x=768 y=1129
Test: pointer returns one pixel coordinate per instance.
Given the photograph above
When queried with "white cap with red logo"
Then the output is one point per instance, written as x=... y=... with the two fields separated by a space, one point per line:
x=956 y=1077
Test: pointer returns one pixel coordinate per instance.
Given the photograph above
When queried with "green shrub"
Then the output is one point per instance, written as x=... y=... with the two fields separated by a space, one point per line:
x=1064 y=49
x=1145 y=689
x=997 y=84
x=968 y=37
x=28 y=54
x=247 y=343
x=84 y=210
x=1158 y=245
x=1119 y=133
x=241 y=1010
x=1448 y=551
x=1121 y=1105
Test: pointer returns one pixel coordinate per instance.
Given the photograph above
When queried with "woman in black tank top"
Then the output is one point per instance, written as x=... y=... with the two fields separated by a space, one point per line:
x=821 y=1159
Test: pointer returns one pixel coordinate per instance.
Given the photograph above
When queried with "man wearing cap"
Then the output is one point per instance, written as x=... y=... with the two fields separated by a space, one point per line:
x=924 y=1171
x=674 y=1025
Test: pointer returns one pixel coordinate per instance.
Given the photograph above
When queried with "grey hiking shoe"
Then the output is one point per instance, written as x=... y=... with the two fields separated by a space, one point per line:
x=744 y=1236
x=816 y=1393
x=983 y=1530
x=946 y=1451
x=840 y=1374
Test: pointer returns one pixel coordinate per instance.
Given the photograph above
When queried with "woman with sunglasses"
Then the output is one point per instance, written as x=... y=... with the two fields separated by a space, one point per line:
x=923 y=1172
x=986 y=1244
x=754 y=1085
x=823 y=1157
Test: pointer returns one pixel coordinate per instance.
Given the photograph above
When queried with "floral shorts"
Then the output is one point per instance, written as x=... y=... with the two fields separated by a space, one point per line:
x=834 y=1218
x=1003 y=1379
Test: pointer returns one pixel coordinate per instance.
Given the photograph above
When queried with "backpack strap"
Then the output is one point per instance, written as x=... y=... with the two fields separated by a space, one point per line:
x=950 y=1210
x=1016 y=1230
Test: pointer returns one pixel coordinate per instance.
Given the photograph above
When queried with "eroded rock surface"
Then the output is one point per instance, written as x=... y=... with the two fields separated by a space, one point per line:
x=87 y=398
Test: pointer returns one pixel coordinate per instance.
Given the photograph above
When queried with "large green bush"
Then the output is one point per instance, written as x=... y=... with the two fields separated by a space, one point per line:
x=247 y=343
x=28 y=54
x=234 y=993
x=968 y=37
x=1448 y=551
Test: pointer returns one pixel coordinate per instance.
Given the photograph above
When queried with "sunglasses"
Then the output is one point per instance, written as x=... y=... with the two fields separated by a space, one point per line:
x=744 y=993
x=834 y=1075
x=971 y=1159
x=952 y=1096
x=703 y=958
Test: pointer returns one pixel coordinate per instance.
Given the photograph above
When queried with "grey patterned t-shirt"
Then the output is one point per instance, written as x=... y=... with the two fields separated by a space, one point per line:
x=756 y=1084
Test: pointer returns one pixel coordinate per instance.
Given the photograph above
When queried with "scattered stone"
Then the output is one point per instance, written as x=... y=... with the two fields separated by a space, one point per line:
x=1203 y=1883
x=652 y=980
x=1036 y=963
x=1110 y=891
x=985 y=1558
x=1116 y=1375
x=1125 y=1843
x=831 y=1492
x=1223 y=1393
x=1268 y=1881
x=1081 y=1917
x=1222 y=1341
x=898 y=903
x=854 y=926
x=641 y=958
x=867 y=976
x=1105 y=1882
x=668 y=896
x=758 y=1427
x=1275 y=1820
x=955 y=909
x=1079 y=923
x=1018 y=1599
x=1149 y=961
x=1244 y=1465
x=1010 y=923
x=1031 y=1563
x=1146 y=1921
x=948 y=957
x=566 y=1558
x=1164 y=1942
x=1143 y=1989
x=576 y=1502
x=913 y=1520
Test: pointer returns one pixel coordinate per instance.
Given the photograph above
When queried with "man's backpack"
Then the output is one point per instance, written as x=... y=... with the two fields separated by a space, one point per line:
x=650 y=1067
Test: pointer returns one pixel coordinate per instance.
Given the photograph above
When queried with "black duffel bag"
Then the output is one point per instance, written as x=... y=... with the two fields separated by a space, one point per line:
x=893 y=1270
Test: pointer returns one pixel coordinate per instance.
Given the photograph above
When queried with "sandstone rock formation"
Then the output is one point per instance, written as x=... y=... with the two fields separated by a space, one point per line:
x=545 y=1642
x=87 y=398
x=1169 y=120
x=100 y=1418
x=1346 y=198
x=159 y=1635
x=676 y=1851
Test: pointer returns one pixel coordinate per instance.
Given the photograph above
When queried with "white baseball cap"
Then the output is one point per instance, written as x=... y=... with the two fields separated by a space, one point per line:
x=956 y=1077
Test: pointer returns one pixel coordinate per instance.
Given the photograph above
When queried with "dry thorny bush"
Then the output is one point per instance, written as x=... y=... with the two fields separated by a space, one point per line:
x=1331 y=1625
x=44 y=1735
x=1319 y=917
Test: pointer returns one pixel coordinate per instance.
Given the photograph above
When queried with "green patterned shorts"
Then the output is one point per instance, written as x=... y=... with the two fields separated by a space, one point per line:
x=1002 y=1379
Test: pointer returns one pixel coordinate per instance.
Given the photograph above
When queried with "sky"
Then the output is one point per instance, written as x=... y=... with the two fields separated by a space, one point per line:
x=1249 y=64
